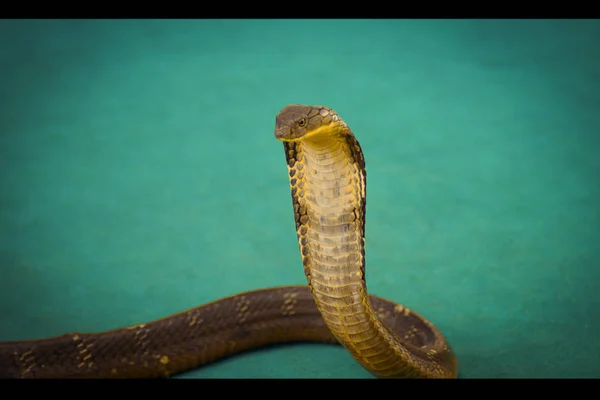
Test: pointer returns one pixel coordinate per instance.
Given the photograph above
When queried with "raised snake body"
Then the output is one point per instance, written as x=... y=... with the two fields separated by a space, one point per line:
x=328 y=185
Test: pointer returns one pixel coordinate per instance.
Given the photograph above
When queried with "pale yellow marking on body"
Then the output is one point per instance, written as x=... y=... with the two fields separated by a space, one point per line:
x=27 y=361
x=195 y=320
x=242 y=308
x=411 y=332
x=84 y=352
x=138 y=326
x=399 y=308
x=163 y=361
x=382 y=312
x=289 y=303
x=141 y=336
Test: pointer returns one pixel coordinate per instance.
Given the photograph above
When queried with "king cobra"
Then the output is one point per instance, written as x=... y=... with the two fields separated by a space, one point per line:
x=327 y=177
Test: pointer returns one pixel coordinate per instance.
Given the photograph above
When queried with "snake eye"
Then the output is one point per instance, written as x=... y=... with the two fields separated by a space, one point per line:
x=302 y=122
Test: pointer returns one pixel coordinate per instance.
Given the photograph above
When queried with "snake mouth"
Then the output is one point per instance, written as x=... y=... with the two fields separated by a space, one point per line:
x=285 y=138
x=284 y=135
x=291 y=140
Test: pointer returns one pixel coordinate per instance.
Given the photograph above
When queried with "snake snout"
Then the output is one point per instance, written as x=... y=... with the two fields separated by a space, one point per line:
x=287 y=133
x=282 y=134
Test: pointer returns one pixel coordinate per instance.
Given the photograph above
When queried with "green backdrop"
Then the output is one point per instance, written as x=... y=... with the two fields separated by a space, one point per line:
x=139 y=176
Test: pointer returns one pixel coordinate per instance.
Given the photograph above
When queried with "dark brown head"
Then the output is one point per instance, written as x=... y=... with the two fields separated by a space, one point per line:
x=296 y=120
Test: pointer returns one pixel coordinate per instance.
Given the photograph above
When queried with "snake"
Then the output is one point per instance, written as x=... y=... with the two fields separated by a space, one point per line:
x=327 y=177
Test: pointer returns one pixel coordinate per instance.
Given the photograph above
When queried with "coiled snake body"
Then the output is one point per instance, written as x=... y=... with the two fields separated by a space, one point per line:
x=328 y=185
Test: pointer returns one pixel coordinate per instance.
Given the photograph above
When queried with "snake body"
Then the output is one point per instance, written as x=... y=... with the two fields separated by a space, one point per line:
x=328 y=185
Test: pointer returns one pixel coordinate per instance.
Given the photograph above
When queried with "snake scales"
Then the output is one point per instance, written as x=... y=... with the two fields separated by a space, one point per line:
x=328 y=185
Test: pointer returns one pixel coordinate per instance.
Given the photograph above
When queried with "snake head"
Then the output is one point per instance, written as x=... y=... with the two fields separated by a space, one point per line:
x=295 y=121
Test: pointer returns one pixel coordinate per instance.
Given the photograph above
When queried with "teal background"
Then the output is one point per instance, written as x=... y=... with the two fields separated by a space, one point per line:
x=139 y=176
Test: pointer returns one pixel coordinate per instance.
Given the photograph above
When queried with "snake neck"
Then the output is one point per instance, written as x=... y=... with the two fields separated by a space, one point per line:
x=328 y=183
